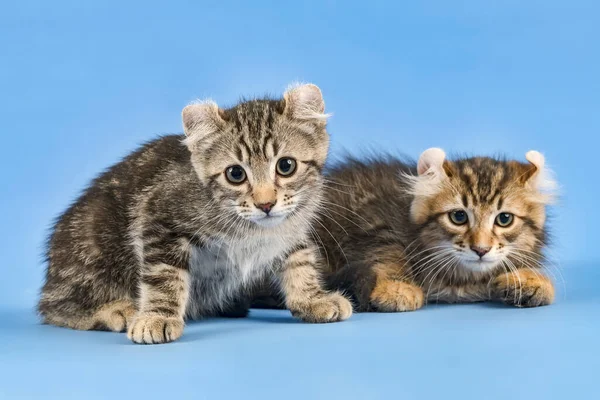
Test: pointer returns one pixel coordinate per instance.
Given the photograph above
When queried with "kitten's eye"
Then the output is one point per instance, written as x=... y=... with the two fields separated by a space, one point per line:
x=286 y=166
x=504 y=219
x=235 y=174
x=458 y=217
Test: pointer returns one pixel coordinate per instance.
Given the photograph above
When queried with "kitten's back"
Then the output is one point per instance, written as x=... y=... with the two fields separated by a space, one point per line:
x=369 y=185
x=87 y=239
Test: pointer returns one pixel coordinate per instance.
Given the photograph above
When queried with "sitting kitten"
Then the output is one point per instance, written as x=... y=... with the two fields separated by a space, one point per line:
x=472 y=229
x=180 y=231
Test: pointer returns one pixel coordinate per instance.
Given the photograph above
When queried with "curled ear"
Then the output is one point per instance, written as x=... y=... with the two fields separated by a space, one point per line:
x=201 y=120
x=536 y=163
x=432 y=170
x=305 y=102
x=536 y=175
x=433 y=161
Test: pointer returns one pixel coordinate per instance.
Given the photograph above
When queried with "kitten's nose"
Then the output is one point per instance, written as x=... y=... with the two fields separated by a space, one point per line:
x=480 y=251
x=266 y=207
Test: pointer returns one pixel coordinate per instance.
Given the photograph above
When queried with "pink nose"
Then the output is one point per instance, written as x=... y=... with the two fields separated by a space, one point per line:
x=265 y=207
x=480 y=251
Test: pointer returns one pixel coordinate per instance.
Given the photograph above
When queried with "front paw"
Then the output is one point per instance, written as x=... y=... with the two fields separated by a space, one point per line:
x=395 y=296
x=523 y=288
x=154 y=329
x=331 y=307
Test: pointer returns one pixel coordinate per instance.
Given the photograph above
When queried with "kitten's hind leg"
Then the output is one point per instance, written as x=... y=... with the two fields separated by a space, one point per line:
x=113 y=316
x=116 y=316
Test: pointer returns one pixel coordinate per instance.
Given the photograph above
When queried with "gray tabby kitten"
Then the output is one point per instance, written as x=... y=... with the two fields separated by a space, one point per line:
x=183 y=230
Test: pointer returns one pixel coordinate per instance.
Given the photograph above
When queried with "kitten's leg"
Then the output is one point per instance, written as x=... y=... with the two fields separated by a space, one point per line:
x=304 y=293
x=164 y=292
x=523 y=288
x=392 y=292
x=380 y=281
x=79 y=300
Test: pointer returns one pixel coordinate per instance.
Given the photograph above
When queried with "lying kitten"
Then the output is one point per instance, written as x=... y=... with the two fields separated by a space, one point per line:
x=180 y=231
x=467 y=230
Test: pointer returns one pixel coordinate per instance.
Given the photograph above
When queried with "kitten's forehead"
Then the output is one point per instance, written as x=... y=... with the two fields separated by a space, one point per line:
x=255 y=116
x=483 y=180
x=252 y=133
x=256 y=132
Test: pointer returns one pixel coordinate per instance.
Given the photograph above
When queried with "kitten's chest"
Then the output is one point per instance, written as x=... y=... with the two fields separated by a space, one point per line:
x=220 y=271
x=239 y=260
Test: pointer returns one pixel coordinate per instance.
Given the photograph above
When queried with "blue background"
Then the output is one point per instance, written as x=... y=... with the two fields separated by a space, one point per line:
x=82 y=83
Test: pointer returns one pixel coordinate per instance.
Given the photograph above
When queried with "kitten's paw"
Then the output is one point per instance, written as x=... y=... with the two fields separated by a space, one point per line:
x=154 y=329
x=331 y=307
x=395 y=296
x=524 y=288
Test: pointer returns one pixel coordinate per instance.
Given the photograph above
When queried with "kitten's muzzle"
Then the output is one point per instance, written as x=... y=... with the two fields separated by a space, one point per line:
x=266 y=207
x=481 y=251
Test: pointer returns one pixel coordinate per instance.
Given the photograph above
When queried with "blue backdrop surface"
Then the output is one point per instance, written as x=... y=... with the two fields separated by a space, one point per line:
x=83 y=83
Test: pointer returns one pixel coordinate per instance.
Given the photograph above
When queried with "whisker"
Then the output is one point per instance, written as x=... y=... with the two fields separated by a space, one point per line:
x=349 y=220
x=349 y=210
x=447 y=260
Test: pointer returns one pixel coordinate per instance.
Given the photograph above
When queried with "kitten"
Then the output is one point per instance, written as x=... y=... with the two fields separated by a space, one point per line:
x=467 y=230
x=183 y=227
x=396 y=235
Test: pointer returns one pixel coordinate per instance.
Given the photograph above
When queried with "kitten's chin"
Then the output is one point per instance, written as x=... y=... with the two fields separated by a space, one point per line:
x=479 y=265
x=269 y=221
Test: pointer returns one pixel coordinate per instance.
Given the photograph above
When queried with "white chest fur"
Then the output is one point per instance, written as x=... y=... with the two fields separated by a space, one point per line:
x=220 y=271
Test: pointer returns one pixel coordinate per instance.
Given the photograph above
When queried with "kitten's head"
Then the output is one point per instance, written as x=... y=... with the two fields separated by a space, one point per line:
x=481 y=212
x=261 y=159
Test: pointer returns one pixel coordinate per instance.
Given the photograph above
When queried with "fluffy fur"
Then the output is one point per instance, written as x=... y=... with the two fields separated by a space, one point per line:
x=165 y=235
x=390 y=241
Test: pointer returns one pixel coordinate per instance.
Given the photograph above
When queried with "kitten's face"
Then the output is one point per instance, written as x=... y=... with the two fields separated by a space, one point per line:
x=263 y=159
x=482 y=213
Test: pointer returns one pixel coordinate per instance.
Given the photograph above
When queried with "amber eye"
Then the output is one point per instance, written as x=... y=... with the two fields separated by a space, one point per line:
x=458 y=217
x=286 y=166
x=235 y=174
x=504 y=219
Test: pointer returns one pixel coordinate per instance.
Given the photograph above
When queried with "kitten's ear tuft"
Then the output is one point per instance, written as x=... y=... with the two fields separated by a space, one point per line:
x=431 y=160
x=538 y=176
x=536 y=158
x=305 y=102
x=432 y=171
x=201 y=119
x=534 y=168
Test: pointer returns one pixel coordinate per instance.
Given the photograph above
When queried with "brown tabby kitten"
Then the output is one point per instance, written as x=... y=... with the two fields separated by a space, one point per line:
x=397 y=235
x=180 y=230
x=454 y=231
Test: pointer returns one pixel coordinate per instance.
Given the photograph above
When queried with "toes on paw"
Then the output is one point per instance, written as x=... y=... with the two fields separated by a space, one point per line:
x=155 y=329
x=394 y=296
x=330 y=308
